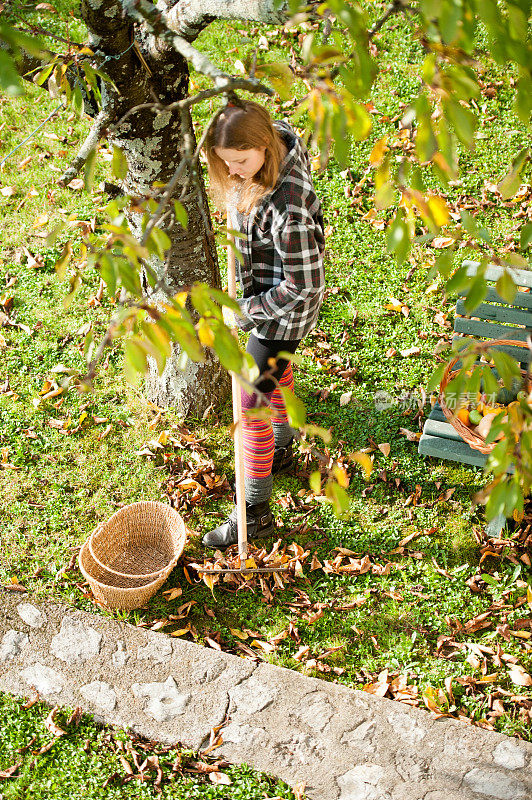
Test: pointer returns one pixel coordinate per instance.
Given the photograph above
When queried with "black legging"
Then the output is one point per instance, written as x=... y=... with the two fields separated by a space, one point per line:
x=264 y=349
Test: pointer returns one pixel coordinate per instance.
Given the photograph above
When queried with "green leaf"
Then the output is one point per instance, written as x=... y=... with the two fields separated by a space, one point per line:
x=506 y=287
x=119 y=163
x=515 y=260
x=135 y=360
x=512 y=180
x=489 y=382
x=506 y=366
x=426 y=144
x=338 y=497
x=158 y=337
x=462 y=119
x=63 y=261
x=470 y=225
x=184 y=333
x=436 y=378
x=315 y=482
x=358 y=120
x=397 y=238
x=449 y=18
x=160 y=241
x=77 y=101
x=90 y=166
x=295 y=408
x=280 y=76
x=10 y=81
x=129 y=276
x=223 y=299
x=444 y=262
x=108 y=272
x=496 y=501
x=341 y=140
x=200 y=296
x=476 y=293
x=181 y=214
x=523 y=98
x=458 y=281
x=226 y=348
x=41 y=76
x=525 y=238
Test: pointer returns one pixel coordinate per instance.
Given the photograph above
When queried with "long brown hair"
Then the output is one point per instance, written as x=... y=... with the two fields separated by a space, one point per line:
x=242 y=127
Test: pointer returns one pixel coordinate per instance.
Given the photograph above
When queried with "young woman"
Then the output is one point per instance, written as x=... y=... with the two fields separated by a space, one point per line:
x=259 y=169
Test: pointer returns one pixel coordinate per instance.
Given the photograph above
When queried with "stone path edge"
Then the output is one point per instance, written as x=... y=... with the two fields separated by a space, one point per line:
x=343 y=743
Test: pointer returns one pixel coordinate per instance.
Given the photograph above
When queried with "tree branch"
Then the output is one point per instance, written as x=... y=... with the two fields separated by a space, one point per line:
x=91 y=142
x=394 y=8
x=189 y=17
x=144 y=12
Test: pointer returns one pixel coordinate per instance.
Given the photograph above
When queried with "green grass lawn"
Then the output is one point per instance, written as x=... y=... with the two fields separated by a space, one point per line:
x=89 y=762
x=418 y=618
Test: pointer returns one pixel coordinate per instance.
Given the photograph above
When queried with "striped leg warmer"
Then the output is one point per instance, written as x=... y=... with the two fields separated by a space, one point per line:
x=283 y=433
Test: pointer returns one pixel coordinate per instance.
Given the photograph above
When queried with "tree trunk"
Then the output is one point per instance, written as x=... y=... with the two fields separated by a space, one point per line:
x=152 y=145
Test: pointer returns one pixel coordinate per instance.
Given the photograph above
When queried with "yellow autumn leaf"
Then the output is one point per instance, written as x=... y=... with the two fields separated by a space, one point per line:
x=239 y=634
x=251 y=563
x=379 y=149
x=364 y=461
x=205 y=334
x=181 y=631
x=163 y=438
x=439 y=210
x=41 y=220
x=341 y=476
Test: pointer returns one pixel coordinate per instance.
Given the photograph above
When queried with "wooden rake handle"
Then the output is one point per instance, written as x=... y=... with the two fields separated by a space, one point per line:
x=237 y=419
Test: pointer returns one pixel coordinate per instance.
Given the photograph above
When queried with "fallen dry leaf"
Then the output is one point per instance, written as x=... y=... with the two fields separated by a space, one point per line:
x=49 y=723
x=442 y=241
x=519 y=676
x=220 y=778
x=10 y=771
x=76 y=184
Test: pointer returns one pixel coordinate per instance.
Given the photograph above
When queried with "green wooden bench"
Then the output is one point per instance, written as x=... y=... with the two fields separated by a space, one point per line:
x=494 y=318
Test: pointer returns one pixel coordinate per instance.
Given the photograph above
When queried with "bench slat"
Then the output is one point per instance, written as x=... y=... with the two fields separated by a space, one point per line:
x=489 y=330
x=450 y=449
x=489 y=311
x=435 y=427
x=521 y=299
x=521 y=277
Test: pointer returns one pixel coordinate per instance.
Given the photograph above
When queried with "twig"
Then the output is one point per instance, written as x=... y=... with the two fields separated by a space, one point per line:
x=232 y=85
x=91 y=142
x=394 y=8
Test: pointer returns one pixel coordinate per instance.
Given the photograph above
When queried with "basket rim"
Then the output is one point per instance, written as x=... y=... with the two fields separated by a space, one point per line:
x=157 y=573
x=126 y=589
x=471 y=437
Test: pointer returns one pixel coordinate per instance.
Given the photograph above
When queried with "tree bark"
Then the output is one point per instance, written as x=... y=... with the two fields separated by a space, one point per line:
x=152 y=145
x=189 y=17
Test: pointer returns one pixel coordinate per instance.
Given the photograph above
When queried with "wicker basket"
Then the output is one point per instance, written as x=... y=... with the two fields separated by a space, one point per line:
x=140 y=541
x=471 y=437
x=112 y=590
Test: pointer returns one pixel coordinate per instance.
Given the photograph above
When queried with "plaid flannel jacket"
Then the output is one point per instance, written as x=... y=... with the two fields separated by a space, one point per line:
x=282 y=275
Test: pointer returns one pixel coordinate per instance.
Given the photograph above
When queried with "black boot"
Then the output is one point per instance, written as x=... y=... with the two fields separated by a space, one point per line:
x=283 y=459
x=259 y=524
